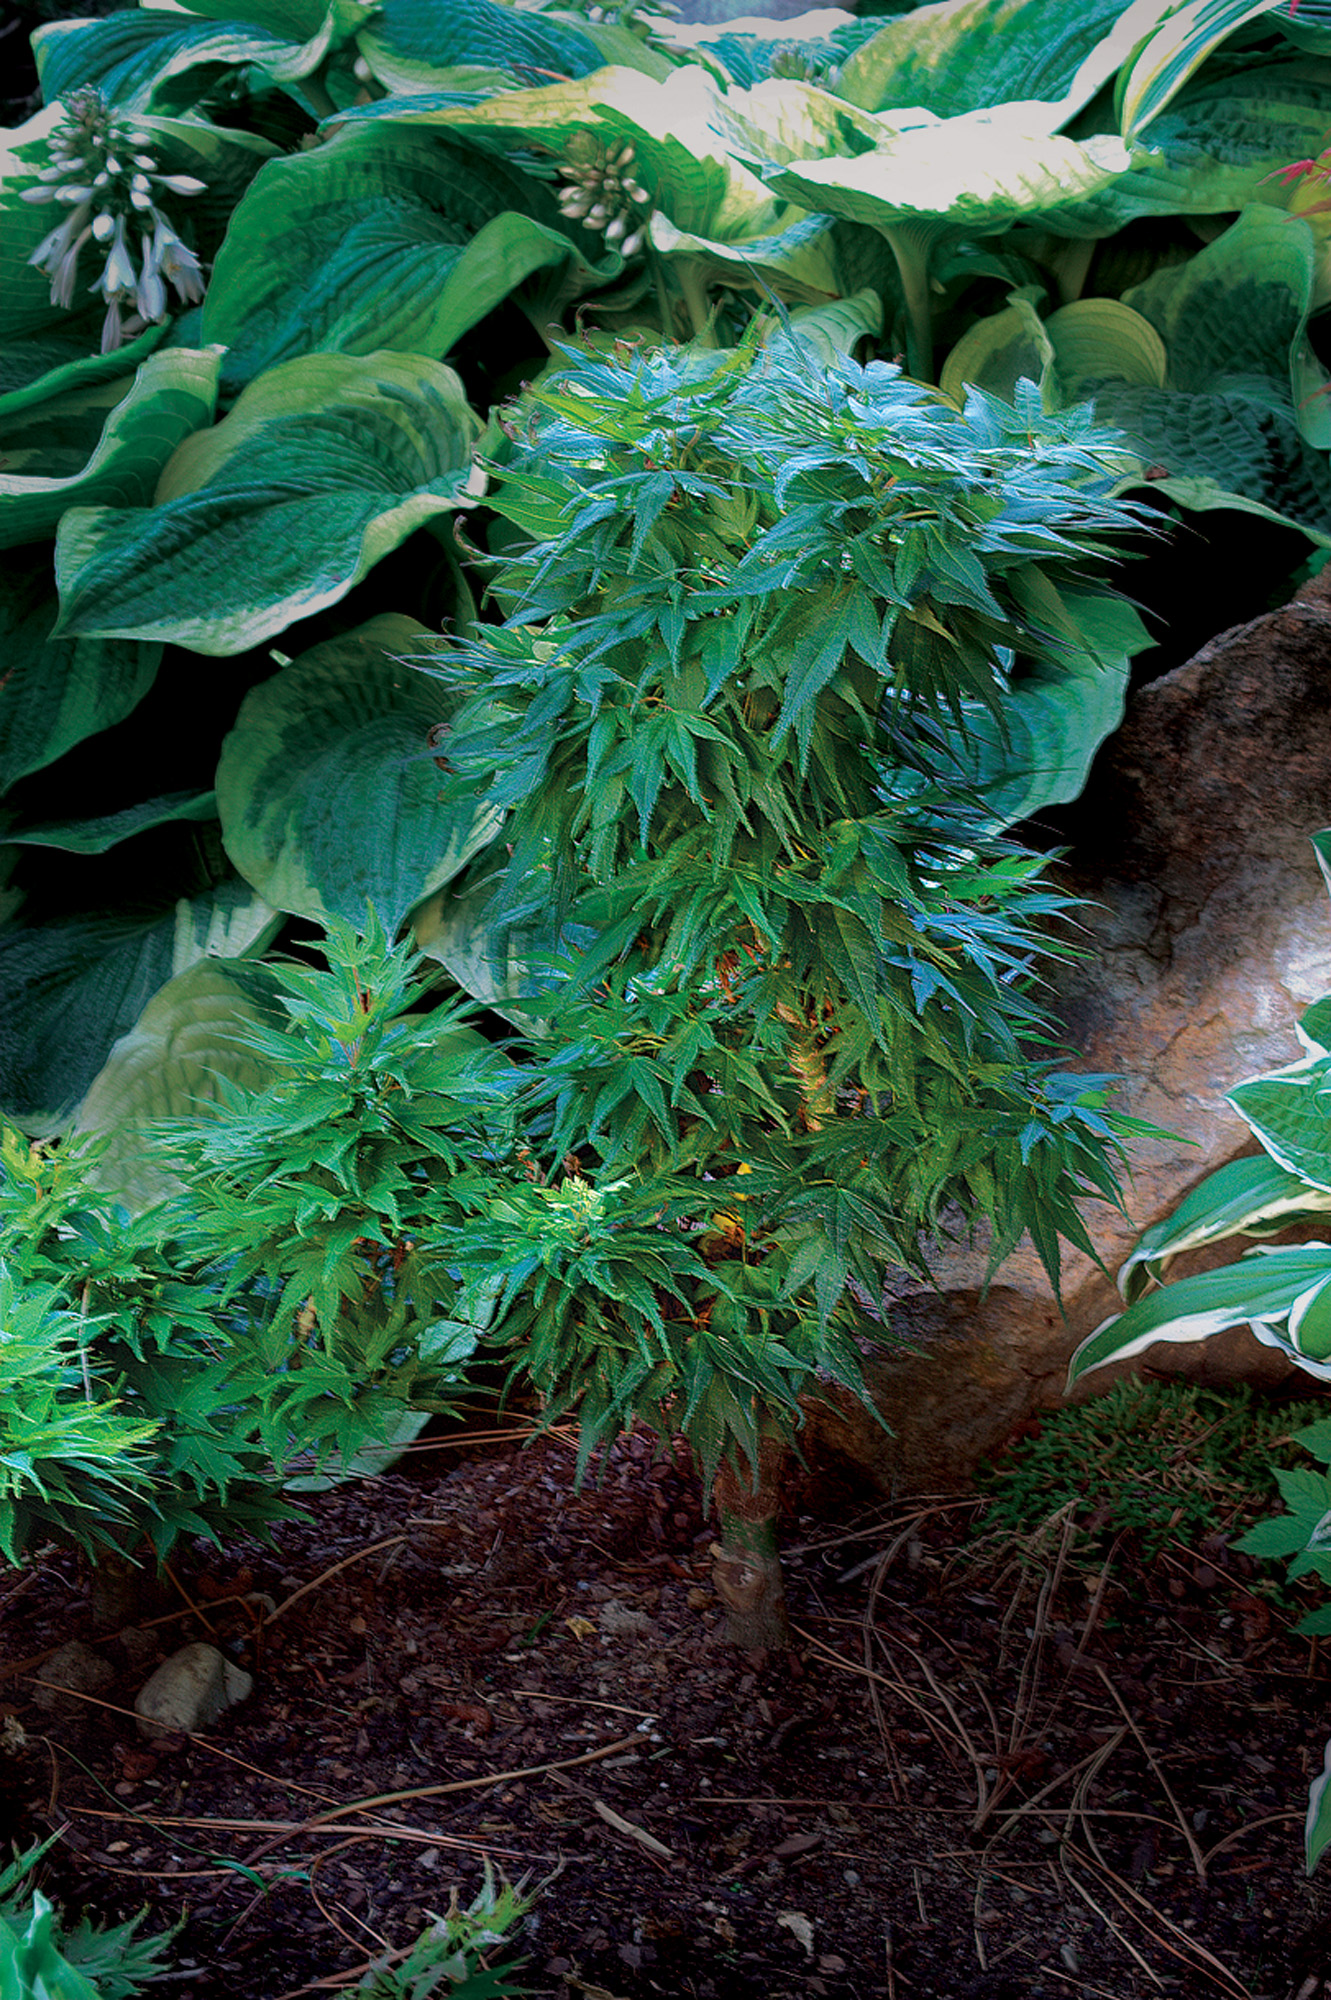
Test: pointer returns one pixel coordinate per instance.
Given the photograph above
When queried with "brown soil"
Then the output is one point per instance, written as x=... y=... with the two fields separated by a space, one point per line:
x=978 y=1775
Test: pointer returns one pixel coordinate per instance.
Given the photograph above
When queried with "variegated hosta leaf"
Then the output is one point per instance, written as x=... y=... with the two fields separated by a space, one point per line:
x=383 y=238
x=324 y=465
x=675 y=126
x=1161 y=64
x=105 y=442
x=99 y=971
x=1289 y=1110
x=1260 y=1291
x=977 y=53
x=139 y=57
x=418 y=45
x=106 y=830
x=1317 y=1826
x=56 y=692
x=1250 y=1197
x=177 y=1061
x=328 y=795
x=41 y=366
x=500 y=964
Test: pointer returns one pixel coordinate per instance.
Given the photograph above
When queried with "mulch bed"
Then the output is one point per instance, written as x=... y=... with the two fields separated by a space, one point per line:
x=986 y=1769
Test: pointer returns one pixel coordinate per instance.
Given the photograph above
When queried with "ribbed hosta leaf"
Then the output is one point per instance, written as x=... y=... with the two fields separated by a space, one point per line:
x=99 y=972
x=501 y=964
x=135 y=57
x=177 y=1061
x=412 y=43
x=56 y=692
x=382 y=238
x=51 y=363
x=104 y=442
x=328 y=796
x=324 y=465
x=1224 y=430
x=1249 y=1197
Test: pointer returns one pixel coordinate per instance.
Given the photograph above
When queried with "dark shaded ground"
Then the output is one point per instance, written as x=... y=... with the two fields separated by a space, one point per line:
x=993 y=1774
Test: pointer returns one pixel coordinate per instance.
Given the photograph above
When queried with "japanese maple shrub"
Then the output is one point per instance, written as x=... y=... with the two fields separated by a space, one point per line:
x=786 y=968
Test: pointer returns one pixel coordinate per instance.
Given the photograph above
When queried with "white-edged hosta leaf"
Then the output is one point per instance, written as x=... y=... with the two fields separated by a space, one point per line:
x=136 y=56
x=835 y=331
x=1317 y=1825
x=1310 y=1321
x=176 y=1061
x=1289 y=1110
x=980 y=171
x=1313 y=1026
x=98 y=971
x=1243 y=1198
x=104 y=442
x=384 y=237
x=56 y=692
x=95 y=836
x=324 y=465
x=976 y=53
x=1159 y=67
x=676 y=127
x=413 y=44
x=328 y=795
x=1259 y=1289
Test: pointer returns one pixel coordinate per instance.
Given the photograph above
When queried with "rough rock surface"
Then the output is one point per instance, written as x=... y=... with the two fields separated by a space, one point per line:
x=189 y=1691
x=72 y=1671
x=1212 y=935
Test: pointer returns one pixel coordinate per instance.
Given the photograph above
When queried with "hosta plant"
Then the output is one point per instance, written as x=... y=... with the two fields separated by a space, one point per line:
x=1280 y=1291
x=783 y=973
x=215 y=533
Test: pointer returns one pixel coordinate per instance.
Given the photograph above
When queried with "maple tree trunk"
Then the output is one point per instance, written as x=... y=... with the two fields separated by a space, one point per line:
x=746 y=1563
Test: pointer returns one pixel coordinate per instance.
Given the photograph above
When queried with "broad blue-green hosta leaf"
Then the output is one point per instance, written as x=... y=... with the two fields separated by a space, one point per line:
x=178 y=1060
x=56 y=692
x=105 y=442
x=1259 y=1291
x=107 y=830
x=328 y=795
x=417 y=45
x=1036 y=750
x=45 y=365
x=100 y=971
x=324 y=465
x=984 y=52
x=1251 y=1197
x=382 y=238
x=136 y=57
x=1224 y=429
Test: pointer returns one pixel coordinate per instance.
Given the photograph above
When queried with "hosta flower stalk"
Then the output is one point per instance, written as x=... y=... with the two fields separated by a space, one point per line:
x=604 y=195
x=104 y=176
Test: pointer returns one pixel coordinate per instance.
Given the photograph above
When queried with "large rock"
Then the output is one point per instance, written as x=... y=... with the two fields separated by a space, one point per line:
x=1213 y=932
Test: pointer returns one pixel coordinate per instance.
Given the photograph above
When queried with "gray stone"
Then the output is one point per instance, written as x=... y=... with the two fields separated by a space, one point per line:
x=1212 y=933
x=190 y=1690
x=72 y=1671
